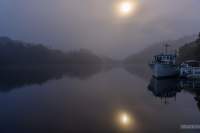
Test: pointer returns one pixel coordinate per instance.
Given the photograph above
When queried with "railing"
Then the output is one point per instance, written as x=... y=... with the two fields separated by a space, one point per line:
x=164 y=62
x=191 y=71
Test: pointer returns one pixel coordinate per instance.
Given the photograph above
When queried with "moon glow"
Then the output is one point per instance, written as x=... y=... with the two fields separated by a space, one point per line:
x=127 y=7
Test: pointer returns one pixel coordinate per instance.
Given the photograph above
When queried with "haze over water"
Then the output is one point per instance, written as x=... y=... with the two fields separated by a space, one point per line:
x=43 y=91
x=97 y=25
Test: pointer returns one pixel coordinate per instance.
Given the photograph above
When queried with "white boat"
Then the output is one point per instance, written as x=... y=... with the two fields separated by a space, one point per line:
x=190 y=69
x=164 y=65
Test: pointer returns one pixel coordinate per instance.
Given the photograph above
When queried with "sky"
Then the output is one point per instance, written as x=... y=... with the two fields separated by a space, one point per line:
x=96 y=25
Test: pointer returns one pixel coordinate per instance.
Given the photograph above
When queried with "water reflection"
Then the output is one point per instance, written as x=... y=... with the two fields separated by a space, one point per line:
x=125 y=120
x=13 y=77
x=87 y=98
x=170 y=87
x=164 y=88
x=189 y=84
x=19 y=76
x=142 y=71
x=192 y=86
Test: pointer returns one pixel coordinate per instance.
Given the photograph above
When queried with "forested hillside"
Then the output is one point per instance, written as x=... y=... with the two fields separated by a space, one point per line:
x=190 y=51
x=17 y=52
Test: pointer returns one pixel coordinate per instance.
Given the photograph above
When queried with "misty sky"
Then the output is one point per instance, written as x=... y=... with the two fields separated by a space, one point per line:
x=95 y=25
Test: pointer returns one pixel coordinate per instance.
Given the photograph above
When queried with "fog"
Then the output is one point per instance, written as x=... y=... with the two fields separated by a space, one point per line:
x=95 y=24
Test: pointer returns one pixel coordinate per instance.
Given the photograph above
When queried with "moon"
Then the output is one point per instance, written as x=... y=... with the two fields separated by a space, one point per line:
x=127 y=7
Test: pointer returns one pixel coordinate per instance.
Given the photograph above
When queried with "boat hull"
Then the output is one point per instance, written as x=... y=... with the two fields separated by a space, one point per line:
x=164 y=70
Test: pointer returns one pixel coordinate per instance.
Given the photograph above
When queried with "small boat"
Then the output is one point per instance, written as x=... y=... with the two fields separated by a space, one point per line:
x=164 y=65
x=190 y=69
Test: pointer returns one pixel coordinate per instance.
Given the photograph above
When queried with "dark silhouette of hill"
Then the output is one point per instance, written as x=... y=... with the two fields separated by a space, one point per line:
x=190 y=51
x=17 y=52
x=144 y=56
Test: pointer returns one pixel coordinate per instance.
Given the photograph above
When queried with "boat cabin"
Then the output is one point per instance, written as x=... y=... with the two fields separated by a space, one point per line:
x=165 y=59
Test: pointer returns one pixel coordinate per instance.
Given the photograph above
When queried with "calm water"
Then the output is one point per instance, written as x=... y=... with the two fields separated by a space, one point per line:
x=93 y=99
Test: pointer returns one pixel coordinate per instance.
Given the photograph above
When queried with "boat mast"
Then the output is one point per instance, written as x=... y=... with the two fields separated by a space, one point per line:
x=166 y=48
